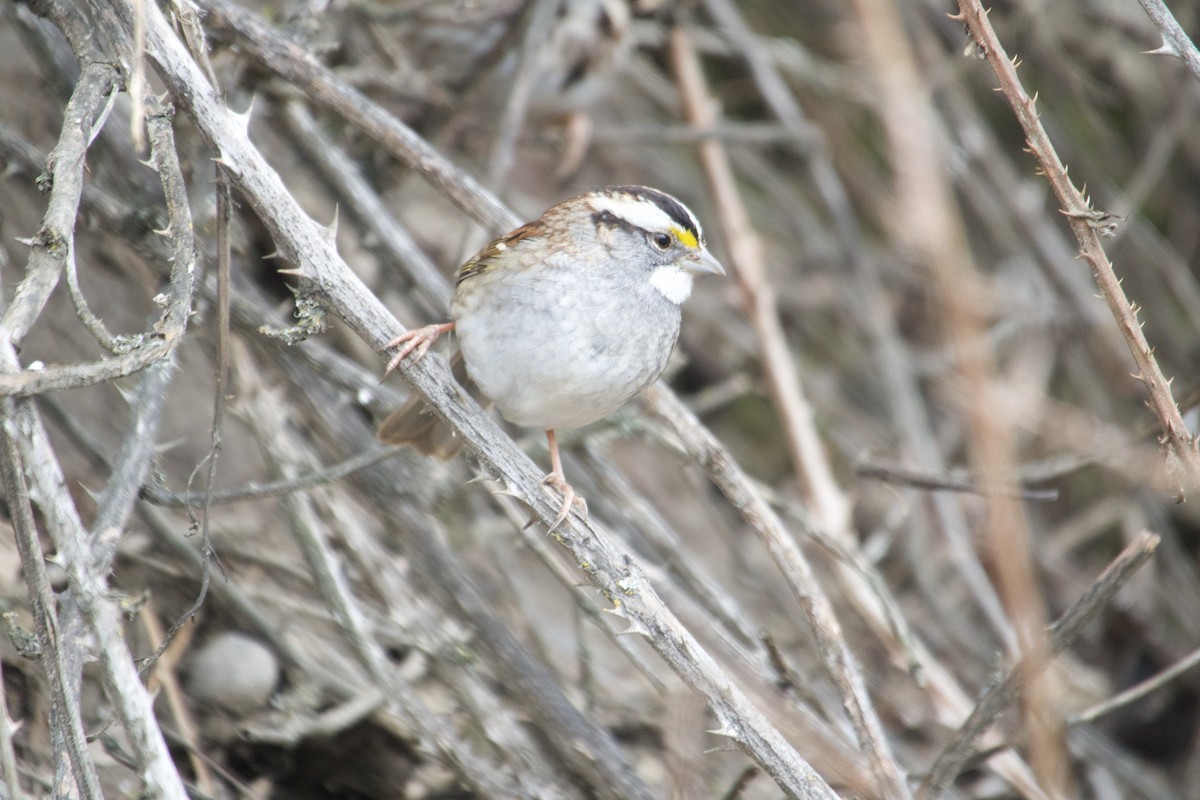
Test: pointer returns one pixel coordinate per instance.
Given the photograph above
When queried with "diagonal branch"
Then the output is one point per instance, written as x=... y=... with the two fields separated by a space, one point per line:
x=129 y=696
x=830 y=503
x=132 y=463
x=276 y=54
x=1064 y=633
x=1088 y=225
x=311 y=249
x=53 y=244
x=1175 y=39
x=65 y=712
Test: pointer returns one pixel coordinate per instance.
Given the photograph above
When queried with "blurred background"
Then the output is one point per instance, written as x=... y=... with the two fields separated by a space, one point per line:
x=539 y=101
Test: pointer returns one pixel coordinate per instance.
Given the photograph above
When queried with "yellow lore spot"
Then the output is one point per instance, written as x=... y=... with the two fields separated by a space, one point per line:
x=685 y=236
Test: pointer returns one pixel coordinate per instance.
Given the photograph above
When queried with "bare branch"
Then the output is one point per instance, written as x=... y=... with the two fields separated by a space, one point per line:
x=1175 y=39
x=302 y=242
x=53 y=245
x=70 y=744
x=1087 y=225
x=1005 y=691
x=129 y=696
x=277 y=54
x=132 y=464
x=361 y=198
x=1135 y=693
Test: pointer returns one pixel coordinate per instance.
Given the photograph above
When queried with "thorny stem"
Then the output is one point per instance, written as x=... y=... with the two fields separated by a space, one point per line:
x=1087 y=225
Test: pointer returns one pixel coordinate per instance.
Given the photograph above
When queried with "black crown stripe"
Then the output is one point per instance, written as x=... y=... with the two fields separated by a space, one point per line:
x=669 y=205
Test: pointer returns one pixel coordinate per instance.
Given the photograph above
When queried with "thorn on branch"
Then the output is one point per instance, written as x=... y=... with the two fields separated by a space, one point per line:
x=332 y=228
x=243 y=118
x=635 y=628
x=724 y=731
x=1164 y=49
x=224 y=163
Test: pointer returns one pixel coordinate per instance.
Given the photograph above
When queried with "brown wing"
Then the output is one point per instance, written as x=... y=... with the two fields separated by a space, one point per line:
x=483 y=260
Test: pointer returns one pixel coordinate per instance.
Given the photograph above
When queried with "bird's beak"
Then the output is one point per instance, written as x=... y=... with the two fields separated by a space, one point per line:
x=703 y=263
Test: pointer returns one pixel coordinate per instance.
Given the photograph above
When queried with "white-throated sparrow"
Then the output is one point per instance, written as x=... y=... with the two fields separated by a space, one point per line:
x=565 y=318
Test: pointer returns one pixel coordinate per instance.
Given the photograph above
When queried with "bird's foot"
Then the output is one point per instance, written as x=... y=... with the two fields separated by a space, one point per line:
x=557 y=480
x=417 y=340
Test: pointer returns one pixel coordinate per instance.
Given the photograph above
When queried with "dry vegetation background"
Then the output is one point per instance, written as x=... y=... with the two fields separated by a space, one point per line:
x=905 y=435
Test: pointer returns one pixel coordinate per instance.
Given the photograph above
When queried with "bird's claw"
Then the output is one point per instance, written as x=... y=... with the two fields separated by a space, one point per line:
x=417 y=340
x=570 y=498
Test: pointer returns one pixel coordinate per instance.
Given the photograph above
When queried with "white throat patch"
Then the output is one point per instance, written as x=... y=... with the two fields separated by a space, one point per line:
x=674 y=283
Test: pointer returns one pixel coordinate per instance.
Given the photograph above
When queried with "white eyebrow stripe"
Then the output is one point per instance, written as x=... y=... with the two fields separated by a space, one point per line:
x=639 y=213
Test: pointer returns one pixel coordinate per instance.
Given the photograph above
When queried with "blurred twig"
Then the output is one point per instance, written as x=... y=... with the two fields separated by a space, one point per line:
x=808 y=452
x=165 y=674
x=257 y=491
x=1005 y=691
x=931 y=226
x=923 y=480
x=8 y=757
x=1140 y=690
x=909 y=415
x=538 y=17
x=745 y=249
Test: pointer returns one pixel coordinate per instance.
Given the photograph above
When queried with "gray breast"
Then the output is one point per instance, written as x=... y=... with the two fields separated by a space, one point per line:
x=553 y=356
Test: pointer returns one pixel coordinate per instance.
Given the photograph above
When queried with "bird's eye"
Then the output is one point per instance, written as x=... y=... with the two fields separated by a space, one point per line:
x=661 y=240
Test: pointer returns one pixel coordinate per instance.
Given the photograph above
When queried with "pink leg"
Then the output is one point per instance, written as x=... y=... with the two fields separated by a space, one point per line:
x=418 y=339
x=558 y=480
